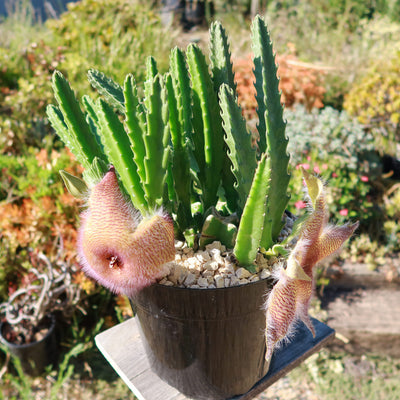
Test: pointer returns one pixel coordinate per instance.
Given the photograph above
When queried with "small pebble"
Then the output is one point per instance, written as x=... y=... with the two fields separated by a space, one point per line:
x=211 y=265
x=242 y=273
x=208 y=273
x=213 y=246
x=190 y=279
x=202 y=282
x=234 y=280
x=265 y=274
x=219 y=281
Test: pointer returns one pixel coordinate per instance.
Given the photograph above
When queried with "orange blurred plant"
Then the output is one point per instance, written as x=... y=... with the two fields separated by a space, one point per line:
x=300 y=83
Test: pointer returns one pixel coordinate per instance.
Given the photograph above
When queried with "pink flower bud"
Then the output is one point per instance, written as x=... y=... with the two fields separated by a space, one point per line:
x=290 y=298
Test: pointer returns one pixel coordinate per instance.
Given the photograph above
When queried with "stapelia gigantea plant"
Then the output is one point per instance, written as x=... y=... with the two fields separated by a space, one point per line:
x=183 y=148
x=180 y=162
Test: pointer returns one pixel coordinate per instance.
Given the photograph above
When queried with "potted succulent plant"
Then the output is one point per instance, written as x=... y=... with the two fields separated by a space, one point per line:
x=27 y=329
x=178 y=171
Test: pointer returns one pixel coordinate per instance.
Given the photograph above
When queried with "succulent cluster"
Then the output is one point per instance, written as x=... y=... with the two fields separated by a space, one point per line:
x=184 y=147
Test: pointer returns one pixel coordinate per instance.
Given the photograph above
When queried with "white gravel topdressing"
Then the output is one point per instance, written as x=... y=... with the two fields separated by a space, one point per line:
x=214 y=267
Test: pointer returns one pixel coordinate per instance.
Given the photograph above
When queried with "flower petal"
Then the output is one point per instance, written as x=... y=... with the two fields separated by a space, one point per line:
x=331 y=240
x=281 y=312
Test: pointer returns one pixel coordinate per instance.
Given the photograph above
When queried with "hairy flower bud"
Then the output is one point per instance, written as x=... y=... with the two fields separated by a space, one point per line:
x=116 y=248
x=290 y=298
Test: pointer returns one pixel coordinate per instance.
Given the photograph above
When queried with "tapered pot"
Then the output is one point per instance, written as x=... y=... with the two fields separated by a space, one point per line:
x=35 y=356
x=207 y=343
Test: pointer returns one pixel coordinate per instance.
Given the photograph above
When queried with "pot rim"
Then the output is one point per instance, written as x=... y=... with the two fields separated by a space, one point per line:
x=206 y=289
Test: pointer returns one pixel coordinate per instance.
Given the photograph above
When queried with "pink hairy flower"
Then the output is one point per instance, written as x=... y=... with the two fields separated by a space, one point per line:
x=290 y=298
x=117 y=248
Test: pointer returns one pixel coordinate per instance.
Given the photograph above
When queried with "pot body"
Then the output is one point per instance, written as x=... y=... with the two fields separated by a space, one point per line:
x=36 y=356
x=207 y=343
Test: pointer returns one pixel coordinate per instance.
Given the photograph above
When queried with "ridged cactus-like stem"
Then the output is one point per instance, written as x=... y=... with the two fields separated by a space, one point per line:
x=208 y=137
x=220 y=57
x=271 y=129
x=118 y=149
x=240 y=151
x=155 y=139
x=253 y=217
x=70 y=122
x=222 y=74
x=111 y=91
x=180 y=121
x=134 y=128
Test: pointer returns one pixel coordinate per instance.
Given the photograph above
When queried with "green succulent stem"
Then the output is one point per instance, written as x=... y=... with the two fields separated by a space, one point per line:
x=180 y=123
x=155 y=140
x=206 y=107
x=240 y=151
x=118 y=149
x=111 y=91
x=271 y=128
x=71 y=123
x=253 y=218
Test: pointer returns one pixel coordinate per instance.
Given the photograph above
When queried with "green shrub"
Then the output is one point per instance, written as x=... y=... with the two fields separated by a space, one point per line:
x=344 y=14
x=337 y=147
x=313 y=27
x=20 y=175
x=23 y=122
x=113 y=36
x=375 y=100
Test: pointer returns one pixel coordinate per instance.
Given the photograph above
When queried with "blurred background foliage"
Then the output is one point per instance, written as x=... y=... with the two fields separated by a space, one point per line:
x=340 y=79
x=339 y=63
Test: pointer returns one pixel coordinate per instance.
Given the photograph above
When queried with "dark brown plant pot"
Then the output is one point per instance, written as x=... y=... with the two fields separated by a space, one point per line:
x=36 y=356
x=207 y=343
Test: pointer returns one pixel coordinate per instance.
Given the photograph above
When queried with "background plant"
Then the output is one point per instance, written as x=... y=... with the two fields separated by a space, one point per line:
x=48 y=292
x=336 y=146
x=300 y=84
x=112 y=36
x=356 y=33
x=375 y=101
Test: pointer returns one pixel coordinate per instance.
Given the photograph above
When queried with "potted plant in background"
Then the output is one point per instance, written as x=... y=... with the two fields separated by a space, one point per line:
x=177 y=171
x=28 y=327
